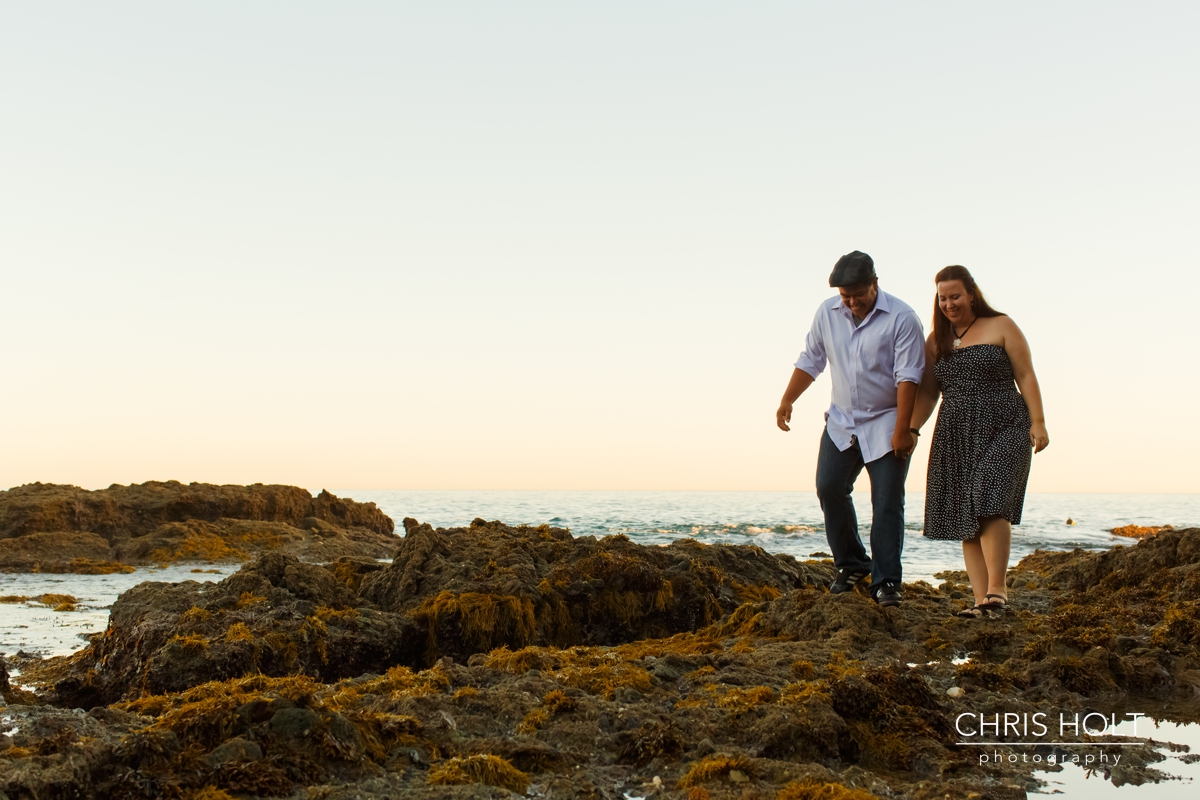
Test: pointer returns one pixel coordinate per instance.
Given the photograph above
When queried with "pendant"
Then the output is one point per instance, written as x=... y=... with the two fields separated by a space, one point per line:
x=958 y=342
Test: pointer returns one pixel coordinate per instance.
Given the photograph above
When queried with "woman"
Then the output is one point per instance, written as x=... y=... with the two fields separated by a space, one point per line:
x=979 y=458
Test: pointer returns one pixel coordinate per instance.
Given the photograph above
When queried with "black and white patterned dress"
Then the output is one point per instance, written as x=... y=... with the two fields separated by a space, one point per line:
x=980 y=454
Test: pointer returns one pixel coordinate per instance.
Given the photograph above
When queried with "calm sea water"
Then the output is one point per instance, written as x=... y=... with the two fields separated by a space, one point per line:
x=36 y=628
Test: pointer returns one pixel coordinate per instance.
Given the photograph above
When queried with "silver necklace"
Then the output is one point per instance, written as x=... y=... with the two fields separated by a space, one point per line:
x=958 y=337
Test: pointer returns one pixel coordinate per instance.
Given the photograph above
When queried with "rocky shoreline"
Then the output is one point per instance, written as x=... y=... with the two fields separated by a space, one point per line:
x=65 y=529
x=491 y=660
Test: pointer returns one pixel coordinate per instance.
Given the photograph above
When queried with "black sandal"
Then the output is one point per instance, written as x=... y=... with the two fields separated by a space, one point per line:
x=972 y=612
x=994 y=606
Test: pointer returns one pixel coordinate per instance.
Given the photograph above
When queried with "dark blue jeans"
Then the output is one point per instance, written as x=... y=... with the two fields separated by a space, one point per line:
x=836 y=473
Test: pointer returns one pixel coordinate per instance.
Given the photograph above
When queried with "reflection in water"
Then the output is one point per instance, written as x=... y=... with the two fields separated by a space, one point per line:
x=1181 y=766
x=37 y=629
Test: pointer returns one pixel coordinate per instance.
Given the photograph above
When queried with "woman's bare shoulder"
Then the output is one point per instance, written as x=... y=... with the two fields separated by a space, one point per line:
x=1014 y=339
x=1005 y=324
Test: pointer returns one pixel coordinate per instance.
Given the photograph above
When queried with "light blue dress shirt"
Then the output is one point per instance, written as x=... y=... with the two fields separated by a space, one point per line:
x=869 y=362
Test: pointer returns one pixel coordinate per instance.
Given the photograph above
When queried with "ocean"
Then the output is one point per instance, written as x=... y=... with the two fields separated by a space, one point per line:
x=784 y=522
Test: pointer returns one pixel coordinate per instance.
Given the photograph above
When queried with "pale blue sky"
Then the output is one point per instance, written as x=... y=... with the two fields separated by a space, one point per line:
x=570 y=245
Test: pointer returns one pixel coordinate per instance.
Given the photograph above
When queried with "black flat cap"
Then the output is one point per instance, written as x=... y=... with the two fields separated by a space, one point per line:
x=852 y=268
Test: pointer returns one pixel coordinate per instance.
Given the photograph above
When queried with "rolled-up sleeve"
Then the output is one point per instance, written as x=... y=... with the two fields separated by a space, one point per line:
x=910 y=349
x=813 y=359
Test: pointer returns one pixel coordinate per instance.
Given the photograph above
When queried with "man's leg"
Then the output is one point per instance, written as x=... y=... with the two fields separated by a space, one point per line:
x=887 y=518
x=836 y=472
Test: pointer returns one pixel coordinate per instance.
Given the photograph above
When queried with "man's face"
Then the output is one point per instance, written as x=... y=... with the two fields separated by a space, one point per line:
x=860 y=298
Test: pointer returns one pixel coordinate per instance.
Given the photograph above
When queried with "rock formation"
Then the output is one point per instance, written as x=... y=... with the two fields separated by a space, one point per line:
x=497 y=659
x=1138 y=531
x=51 y=528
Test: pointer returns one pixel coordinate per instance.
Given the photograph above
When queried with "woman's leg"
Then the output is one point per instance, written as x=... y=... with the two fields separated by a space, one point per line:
x=977 y=568
x=995 y=539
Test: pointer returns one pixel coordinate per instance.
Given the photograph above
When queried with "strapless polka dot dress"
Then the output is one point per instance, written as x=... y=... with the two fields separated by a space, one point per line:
x=980 y=454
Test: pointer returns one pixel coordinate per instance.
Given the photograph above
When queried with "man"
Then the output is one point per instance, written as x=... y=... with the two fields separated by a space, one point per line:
x=876 y=347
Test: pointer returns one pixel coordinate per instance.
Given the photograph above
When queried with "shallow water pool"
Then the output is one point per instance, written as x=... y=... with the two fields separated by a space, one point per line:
x=36 y=628
x=1077 y=781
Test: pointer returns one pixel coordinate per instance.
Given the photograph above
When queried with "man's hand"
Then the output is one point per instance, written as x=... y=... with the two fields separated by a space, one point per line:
x=903 y=443
x=800 y=381
x=783 y=416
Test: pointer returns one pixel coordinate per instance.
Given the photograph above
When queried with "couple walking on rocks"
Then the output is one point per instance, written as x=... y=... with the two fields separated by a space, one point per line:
x=887 y=376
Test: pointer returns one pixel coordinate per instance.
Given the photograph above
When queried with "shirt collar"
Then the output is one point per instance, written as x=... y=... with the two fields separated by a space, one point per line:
x=881 y=304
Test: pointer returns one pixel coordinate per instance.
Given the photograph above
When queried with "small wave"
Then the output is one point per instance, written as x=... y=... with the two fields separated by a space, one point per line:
x=1061 y=544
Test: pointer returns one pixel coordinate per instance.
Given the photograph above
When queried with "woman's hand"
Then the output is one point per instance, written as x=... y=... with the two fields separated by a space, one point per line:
x=1038 y=436
x=903 y=443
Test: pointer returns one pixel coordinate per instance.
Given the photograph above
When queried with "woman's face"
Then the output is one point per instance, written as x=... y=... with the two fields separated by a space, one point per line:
x=954 y=301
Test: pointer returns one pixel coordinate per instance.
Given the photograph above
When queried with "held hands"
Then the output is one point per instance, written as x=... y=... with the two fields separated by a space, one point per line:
x=903 y=443
x=783 y=416
x=1038 y=437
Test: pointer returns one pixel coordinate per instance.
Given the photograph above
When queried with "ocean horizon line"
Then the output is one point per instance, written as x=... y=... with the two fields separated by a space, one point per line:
x=726 y=491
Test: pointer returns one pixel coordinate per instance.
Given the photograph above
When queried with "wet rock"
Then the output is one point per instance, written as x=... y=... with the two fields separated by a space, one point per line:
x=54 y=528
x=44 y=551
x=294 y=723
x=1139 y=531
x=232 y=751
x=138 y=509
x=665 y=671
x=342 y=738
x=787 y=689
x=491 y=584
x=1166 y=555
x=276 y=616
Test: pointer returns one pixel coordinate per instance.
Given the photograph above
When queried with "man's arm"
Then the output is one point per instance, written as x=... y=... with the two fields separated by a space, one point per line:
x=903 y=440
x=910 y=367
x=800 y=381
x=809 y=365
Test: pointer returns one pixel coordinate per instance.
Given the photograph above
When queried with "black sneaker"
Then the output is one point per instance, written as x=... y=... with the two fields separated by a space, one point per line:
x=888 y=594
x=845 y=581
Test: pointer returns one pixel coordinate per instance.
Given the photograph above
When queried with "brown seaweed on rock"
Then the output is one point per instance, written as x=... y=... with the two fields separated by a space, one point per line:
x=52 y=528
x=277 y=616
x=138 y=509
x=797 y=696
x=493 y=585
x=456 y=593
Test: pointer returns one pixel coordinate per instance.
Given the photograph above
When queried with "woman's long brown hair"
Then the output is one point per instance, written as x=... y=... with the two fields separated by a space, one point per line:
x=943 y=331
